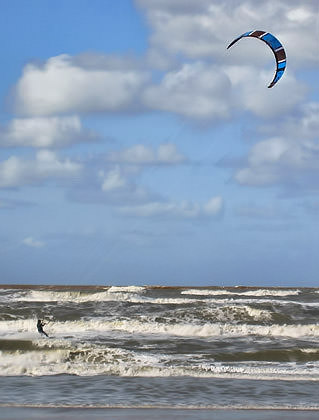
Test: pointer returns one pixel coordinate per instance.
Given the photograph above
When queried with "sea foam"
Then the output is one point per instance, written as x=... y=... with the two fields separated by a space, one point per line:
x=83 y=328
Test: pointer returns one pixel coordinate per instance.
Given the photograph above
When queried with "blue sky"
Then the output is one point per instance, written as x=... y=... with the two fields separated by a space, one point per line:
x=136 y=149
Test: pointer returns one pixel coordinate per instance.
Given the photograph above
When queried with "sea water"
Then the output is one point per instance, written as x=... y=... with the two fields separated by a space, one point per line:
x=210 y=347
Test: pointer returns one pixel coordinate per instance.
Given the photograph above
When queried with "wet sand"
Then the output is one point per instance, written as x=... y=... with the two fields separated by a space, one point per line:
x=34 y=413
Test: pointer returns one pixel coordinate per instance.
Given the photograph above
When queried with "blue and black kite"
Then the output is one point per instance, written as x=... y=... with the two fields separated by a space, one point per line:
x=276 y=47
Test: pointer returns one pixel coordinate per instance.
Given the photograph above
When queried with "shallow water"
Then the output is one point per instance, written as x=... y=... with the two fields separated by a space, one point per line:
x=152 y=414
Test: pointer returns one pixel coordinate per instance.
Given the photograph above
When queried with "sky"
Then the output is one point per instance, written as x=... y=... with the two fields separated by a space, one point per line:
x=135 y=149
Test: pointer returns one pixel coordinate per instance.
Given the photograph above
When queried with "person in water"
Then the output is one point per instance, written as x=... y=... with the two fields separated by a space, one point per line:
x=40 y=325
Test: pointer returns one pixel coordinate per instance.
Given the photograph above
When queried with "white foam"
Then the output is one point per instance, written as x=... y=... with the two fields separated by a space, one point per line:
x=229 y=313
x=90 y=361
x=309 y=350
x=240 y=301
x=257 y=292
x=136 y=294
x=136 y=297
x=78 y=296
x=127 y=289
x=20 y=329
x=129 y=294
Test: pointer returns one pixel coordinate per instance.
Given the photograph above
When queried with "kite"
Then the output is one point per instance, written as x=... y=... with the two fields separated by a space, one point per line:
x=276 y=47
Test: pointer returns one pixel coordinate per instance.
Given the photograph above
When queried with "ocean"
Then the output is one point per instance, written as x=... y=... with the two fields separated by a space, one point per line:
x=159 y=347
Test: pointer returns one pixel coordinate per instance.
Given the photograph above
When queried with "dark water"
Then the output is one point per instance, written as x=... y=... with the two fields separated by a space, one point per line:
x=160 y=347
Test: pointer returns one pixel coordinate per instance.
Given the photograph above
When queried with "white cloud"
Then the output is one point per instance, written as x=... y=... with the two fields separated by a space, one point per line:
x=33 y=243
x=44 y=132
x=113 y=179
x=250 y=93
x=302 y=124
x=137 y=154
x=202 y=29
x=140 y=154
x=168 y=154
x=16 y=171
x=114 y=186
x=300 y=14
x=151 y=209
x=214 y=206
x=64 y=84
x=208 y=93
x=204 y=82
x=182 y=210
x=280 y=160
x=196 y=90
x=290 y=156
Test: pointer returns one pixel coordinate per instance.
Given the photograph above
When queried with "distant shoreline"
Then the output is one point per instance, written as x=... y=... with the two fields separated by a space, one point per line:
x=103 y=287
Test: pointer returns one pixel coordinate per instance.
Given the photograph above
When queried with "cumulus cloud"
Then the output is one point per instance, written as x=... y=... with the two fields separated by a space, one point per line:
x=139 y=154
x=291 y=157
x=183 y=210
x=113 y=179
x=280 y=160
x=202 y=29
x=32 y=242
x=117 y=187
x=207 y=93
x=196 y=90
x=65 y=84
x=118 y=181
x=249 y=91
x=203 y=81
x=113 y=186
x=16 y=171
x=45 y=132
x=214 y=206
x=216 y=82
x=304 y=123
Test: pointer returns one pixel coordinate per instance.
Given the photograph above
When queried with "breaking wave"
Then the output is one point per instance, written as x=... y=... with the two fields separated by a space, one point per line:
x=82 y=360
x=144 y=331
x=129 y=293
x=257 y=292
x=80 y=329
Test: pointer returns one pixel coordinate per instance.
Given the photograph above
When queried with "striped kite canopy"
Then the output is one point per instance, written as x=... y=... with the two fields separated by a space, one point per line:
x=276 y=48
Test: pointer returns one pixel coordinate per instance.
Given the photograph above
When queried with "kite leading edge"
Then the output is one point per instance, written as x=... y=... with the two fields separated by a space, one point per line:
x=276 y=48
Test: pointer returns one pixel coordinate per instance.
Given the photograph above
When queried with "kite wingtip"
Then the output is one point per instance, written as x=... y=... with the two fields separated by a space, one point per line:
x=232 y=43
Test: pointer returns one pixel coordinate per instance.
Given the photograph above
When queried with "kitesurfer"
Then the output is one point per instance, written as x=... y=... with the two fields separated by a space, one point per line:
x=40 y=325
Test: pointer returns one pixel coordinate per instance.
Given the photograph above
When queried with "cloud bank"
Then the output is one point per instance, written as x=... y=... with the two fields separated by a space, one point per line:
x=291 y=158
x=64 y=84
x=17 y=171
x=45 y=132
x=201 y=28
x=184 y=210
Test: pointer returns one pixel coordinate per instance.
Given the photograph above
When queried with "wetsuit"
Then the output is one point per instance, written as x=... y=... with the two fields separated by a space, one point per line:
x=40 y=326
